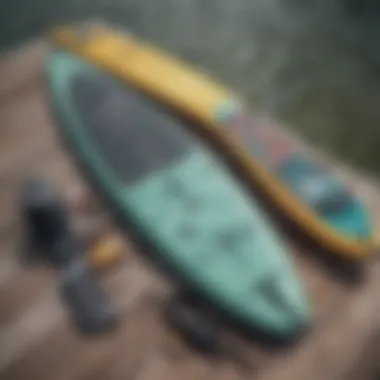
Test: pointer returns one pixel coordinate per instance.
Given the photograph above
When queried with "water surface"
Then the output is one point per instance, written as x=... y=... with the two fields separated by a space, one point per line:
x=313 y=64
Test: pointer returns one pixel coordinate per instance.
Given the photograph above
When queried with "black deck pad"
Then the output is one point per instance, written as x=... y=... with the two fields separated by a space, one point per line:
x=134 y=134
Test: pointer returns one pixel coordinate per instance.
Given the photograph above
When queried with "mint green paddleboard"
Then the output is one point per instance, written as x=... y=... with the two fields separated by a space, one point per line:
x=168 y=185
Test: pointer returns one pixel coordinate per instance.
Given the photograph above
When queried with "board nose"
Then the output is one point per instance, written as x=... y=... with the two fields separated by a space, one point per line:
x=288 y=302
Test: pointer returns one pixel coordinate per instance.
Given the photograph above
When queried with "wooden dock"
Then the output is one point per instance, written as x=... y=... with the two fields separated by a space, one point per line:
x=37 y=341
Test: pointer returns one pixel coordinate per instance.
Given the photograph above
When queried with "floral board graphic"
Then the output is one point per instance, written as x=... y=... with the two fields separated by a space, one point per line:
x=309 y=180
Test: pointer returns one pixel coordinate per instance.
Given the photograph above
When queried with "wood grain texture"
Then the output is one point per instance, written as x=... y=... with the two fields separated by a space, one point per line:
x=36 y=338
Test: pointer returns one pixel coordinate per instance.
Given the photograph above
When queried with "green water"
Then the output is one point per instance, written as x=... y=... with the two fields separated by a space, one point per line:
x=312 y=64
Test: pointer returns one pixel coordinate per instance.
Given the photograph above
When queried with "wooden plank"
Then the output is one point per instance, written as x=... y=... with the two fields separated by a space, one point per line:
x=21 y=69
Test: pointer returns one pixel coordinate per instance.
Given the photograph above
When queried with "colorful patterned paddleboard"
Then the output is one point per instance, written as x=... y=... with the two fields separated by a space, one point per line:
x=307 y=193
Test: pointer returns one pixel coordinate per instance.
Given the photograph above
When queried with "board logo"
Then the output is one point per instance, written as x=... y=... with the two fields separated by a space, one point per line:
x=227 y=111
